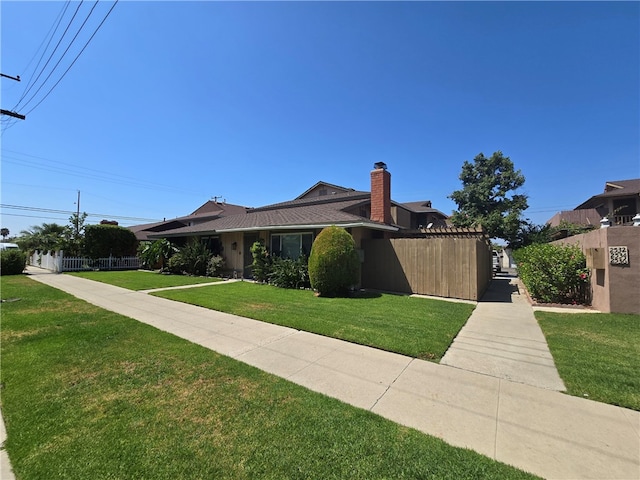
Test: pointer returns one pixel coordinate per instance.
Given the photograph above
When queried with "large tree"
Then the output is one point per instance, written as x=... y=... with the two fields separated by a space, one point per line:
x=487 y=197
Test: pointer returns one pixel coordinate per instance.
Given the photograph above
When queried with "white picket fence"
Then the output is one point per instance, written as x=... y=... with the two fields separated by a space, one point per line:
x=57 y=262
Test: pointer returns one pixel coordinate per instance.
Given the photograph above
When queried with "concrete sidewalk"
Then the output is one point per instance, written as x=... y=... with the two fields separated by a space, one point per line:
x=536 y=429
x=503 y=339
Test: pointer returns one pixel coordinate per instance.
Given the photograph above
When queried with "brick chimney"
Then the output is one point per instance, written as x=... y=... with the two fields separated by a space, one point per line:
x=381 y=194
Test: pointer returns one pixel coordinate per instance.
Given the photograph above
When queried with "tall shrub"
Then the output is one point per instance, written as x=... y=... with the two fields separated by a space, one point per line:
x=554 y=273
x=261 y=266
x=109 y=240
x=334 y=263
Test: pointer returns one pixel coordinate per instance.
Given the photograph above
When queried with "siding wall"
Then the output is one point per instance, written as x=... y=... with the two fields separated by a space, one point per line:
x=444 y=267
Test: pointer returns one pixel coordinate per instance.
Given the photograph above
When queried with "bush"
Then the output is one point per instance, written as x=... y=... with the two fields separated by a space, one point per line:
x=109 y=240
x=12 y=262
x=334 y=264
x=288 y=273
x=261 y=266
x=155 y=254
x=192 y=259
x=554 y=273
x=177 y=264
x=215 y=266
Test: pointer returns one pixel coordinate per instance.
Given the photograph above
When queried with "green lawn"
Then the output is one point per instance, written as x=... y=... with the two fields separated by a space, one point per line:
x=138 y=280
x=417 y=327
x=87 y=393
x=597 y=355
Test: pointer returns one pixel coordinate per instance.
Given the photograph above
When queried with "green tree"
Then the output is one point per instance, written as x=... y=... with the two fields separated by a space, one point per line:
x=73 y=244
x=485 y=197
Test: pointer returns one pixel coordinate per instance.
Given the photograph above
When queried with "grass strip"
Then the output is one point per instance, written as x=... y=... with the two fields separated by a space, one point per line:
x=418 y=327
x=597 y=355
x=138 y=280
x=91 y=394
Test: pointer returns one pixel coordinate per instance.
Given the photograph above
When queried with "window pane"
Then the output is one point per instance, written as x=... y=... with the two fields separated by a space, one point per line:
x=307 y=242
x=290 y=246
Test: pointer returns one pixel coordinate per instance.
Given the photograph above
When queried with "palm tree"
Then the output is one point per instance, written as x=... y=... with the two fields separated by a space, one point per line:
x=48 y=236
x=5 y=233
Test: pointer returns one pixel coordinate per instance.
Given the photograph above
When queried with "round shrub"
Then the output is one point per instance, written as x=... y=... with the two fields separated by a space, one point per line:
x=12 y=262
x=334 y=263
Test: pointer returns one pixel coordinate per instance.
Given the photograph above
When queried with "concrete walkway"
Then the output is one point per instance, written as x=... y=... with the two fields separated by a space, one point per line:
x=536 y=429
x=503 y=339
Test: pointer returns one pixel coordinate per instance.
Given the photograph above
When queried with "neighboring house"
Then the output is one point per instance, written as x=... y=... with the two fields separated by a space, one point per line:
x=620 y=202
x=289 y=228
x=208 y=211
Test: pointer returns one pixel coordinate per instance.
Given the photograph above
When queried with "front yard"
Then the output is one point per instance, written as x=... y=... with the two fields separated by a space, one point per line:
x=418 y=327
x=597 y=355
x=87 y=393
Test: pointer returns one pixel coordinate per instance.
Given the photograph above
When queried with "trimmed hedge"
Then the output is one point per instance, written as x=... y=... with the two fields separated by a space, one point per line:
x=109 y=240
x=554 y=273
x=12 y=262
x=334 y=263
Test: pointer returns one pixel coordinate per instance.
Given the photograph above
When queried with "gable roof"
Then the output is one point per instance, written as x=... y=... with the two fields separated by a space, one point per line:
x=207 y=211
x=320 y=186
x=612 y=189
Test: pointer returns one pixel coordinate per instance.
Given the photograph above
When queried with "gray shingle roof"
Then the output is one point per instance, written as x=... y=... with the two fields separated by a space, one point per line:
x=307 y=214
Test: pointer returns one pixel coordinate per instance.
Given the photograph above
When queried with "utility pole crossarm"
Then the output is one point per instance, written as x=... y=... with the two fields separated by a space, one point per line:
x=12 y=114
x=16 y=78
x=8 y=112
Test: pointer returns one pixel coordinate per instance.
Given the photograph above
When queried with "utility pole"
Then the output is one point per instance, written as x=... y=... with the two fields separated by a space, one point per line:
x=78 y=216
x=9 y=112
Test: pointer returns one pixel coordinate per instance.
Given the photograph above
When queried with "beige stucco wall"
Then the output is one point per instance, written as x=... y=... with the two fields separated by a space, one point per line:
x=615 y=288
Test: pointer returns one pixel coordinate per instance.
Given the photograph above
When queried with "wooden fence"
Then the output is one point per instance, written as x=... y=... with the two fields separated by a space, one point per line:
x=57 y=262
x=454 y=266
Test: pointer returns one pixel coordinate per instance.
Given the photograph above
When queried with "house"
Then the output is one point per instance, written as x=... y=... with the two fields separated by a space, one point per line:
x=619 y=202
x=289 y=228
x=208 y=211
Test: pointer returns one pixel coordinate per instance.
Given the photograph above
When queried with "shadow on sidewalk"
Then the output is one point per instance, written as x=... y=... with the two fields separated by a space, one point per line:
x=500 y=290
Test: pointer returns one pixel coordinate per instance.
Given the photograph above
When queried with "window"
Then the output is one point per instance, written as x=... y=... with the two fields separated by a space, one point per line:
x=291 y=245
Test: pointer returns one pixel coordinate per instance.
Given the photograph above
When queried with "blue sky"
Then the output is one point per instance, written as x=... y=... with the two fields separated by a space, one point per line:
x=173 y=103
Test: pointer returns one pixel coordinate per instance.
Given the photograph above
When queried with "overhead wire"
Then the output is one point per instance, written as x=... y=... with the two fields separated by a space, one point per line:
x=77 y=56
x=82 y=172
x=49 y=35
x=70 y=212
x=23 y=106
x=31 y=85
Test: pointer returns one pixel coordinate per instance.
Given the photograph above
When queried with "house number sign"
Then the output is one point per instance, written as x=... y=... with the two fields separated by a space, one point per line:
x=618 y=255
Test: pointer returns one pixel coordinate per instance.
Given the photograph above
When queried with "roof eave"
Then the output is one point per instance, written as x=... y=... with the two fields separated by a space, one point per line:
x=310 y=226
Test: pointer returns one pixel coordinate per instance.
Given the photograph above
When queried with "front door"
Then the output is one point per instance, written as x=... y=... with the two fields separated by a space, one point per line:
x=249 y=240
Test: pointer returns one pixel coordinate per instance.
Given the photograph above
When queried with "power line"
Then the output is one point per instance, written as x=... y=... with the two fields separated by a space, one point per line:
x=55 y=49
x=70 y=212
x=50 y=35
x=84 y=172
x=77 y=56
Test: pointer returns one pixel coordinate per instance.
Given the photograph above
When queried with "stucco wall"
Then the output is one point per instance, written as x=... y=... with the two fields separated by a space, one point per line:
x=615 y=288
